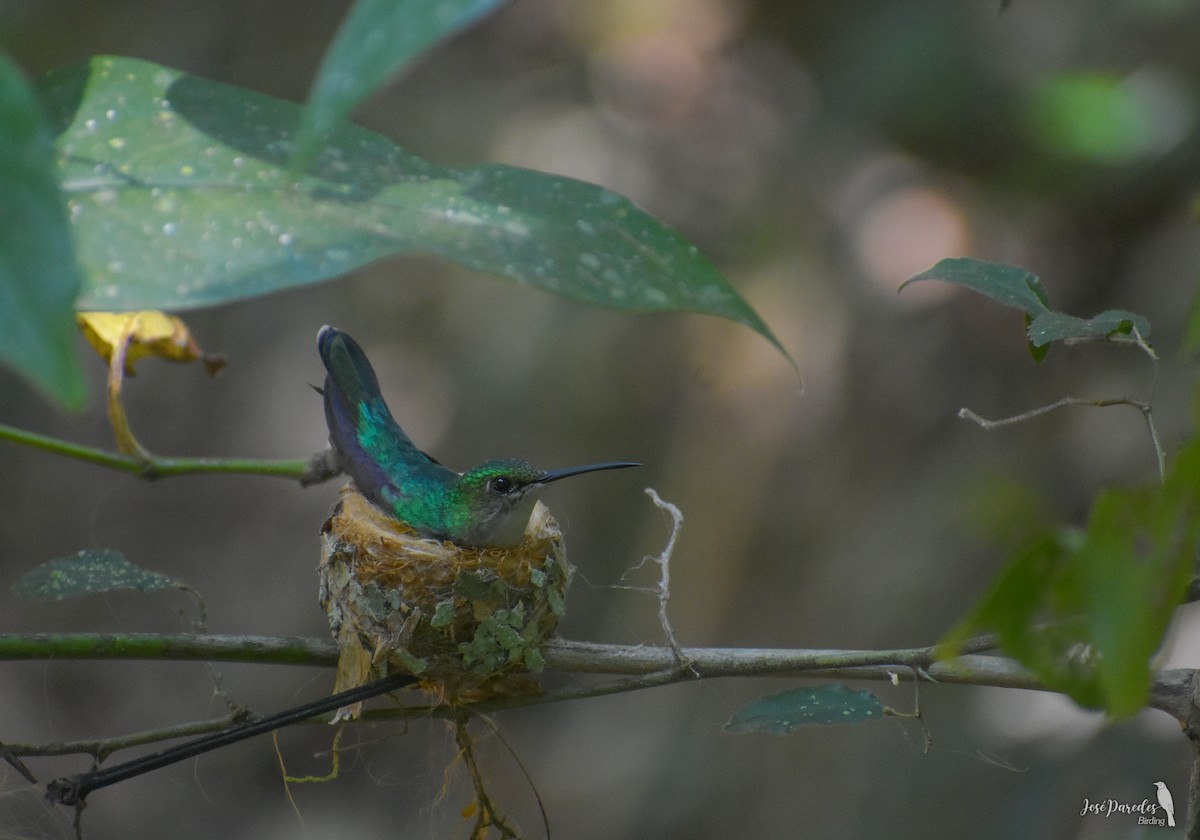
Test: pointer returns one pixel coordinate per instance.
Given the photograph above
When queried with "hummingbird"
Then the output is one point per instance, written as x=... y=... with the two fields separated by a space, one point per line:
x=487 y=506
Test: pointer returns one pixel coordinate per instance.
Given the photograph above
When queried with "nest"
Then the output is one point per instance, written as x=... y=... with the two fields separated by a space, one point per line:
x=468 y=621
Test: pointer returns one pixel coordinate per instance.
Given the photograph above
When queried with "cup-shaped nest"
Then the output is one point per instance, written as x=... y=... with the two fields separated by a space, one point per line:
x=468 y=621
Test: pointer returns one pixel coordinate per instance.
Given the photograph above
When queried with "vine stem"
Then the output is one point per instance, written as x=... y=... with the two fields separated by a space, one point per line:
x=312 y=470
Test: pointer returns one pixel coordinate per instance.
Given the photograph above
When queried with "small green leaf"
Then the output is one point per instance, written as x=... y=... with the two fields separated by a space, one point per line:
x=822 y=705
x=181 y=196
x=1056 y=326
x=557 y=605
x=377 y=39
x=1009 y=284
x=86 y=573
x=38 y=277
x=477 y=585
x=1085 y=610
x=443 y=614
x=533 y=660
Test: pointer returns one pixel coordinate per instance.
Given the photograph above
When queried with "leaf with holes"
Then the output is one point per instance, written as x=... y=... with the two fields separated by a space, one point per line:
x=87 y=573
x=822 y=705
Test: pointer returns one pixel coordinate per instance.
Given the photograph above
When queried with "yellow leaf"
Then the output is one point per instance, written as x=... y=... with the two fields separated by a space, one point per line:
x=145 y=333
x=121 y=338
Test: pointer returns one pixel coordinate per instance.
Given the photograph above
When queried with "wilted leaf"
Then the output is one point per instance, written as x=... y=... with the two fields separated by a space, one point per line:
x=822 y=705
x=87 y=573
x=143 y=333
x=121 y=338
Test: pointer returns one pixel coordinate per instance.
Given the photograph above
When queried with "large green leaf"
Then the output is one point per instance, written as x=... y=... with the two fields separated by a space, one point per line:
x=38 y=279
x=181 y=196
x=376 y=40
x=1085 y=610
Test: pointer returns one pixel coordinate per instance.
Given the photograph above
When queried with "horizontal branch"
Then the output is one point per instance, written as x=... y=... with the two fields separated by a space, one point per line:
x=560 y=655
x=649 y=666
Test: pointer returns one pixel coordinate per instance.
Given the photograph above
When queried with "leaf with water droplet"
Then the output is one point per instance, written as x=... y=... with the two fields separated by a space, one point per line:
x=87 y=573
x=212 y=160
x=38 y=278
x=822 y=705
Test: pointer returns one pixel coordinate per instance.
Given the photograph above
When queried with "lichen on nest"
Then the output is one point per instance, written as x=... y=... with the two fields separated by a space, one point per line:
x=468 y=621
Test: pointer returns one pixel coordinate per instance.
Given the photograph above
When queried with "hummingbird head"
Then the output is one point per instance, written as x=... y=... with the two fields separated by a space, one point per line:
x=497 y=497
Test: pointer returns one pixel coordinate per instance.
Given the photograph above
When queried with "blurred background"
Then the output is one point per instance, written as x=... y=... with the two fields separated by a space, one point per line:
x=819 y=154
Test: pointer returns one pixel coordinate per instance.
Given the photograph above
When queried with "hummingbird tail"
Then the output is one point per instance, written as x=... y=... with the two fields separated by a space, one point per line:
x=350 y=373
x=371 y=448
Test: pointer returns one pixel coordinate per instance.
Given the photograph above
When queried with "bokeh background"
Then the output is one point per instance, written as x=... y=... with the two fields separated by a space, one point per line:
x=819 y=153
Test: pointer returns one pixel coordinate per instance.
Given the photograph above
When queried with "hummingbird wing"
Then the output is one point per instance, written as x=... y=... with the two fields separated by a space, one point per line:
x=370 y=445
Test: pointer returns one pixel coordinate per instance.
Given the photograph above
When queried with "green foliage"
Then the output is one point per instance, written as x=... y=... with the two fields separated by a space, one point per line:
x=181 y=197
x=38 y=280
x=377 y=39
x=1093 y=118
x=822 y=705
x=1021 y=289
x=1085 y=610
x=87 y=573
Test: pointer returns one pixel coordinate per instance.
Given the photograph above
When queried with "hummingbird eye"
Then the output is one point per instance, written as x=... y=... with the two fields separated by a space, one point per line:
x=502 y=485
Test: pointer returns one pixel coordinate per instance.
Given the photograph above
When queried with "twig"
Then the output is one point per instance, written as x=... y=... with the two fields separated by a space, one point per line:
x=73 y=790
x=664 y=575
x=312 y=470
x=1145 y=408
x=102 y=748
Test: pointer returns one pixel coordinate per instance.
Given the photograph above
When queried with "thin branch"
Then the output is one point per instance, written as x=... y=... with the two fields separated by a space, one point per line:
x=312 y=470
x=1145 y=408
x=102 y=748
x=72 y=790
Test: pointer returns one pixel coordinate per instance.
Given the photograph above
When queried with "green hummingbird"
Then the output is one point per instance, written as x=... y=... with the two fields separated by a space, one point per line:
x=487 y=506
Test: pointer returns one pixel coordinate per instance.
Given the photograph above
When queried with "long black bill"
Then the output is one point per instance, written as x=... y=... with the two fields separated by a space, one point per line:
x=555 y=475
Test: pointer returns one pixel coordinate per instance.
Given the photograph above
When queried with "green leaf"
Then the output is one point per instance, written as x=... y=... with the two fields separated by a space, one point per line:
x=822 y=705
x=443 y=614
x=1191 y=337
x=38 y=278
x=86 y=573
x=376 y=40
x=1056 y=326
x=181 y=197
x=1085 y=610
x=1097 y=118
x=1009 y=284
